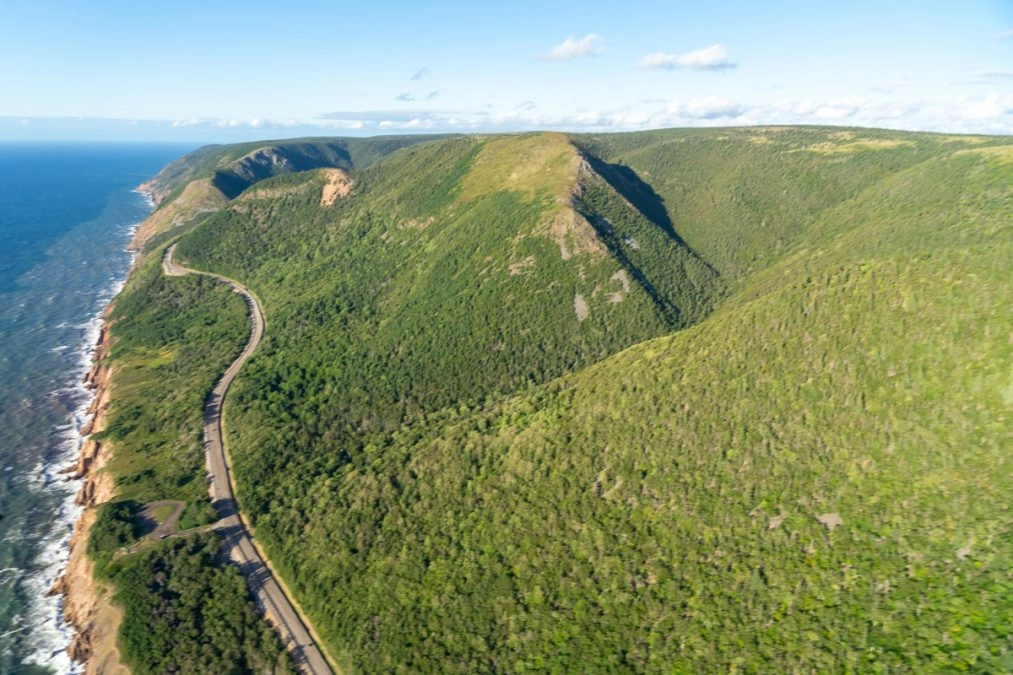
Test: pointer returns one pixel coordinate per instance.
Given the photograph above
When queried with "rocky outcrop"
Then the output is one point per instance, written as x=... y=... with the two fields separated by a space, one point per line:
x=339 y=184
x=88 y=603
x=260 y=164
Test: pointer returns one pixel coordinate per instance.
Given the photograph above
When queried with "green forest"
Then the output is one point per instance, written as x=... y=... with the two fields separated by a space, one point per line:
x=672 y=401
x=185 y=612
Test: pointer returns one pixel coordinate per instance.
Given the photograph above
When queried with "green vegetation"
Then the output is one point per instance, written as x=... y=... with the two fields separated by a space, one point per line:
x=184 y=612
x=233 y=168
x=173 y=337
x=660 y=511
x=701 y=401
x=741 y=198
x=115 y=526
x=358 y=297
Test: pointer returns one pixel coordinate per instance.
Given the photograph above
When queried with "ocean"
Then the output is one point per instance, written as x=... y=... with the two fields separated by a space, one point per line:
x=67 y=213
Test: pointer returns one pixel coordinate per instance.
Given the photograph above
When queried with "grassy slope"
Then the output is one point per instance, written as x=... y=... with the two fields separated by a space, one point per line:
x=624 y=516
x=172 y=338
x=349 y=287
x=358 y=297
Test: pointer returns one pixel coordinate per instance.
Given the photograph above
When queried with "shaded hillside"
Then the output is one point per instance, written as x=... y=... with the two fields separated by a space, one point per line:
x=742 y=198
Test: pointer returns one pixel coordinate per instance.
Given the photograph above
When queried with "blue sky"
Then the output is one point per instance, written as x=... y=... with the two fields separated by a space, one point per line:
x=224 y=71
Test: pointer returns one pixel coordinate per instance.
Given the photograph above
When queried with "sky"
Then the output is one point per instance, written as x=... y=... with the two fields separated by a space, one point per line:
x=227 y=71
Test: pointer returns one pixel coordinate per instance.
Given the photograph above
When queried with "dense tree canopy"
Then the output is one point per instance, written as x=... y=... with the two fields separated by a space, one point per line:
x=696 y=400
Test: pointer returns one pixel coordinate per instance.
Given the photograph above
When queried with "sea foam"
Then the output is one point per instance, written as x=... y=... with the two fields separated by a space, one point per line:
x=52 y=633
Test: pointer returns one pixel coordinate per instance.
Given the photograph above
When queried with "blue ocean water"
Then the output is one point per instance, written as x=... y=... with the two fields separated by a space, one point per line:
x=67 y=212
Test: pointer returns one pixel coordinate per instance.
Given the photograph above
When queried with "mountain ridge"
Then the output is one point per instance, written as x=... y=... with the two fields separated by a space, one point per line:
x=546 y=400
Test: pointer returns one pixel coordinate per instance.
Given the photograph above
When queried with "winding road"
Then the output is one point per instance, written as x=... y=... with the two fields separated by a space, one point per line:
x=238 y=543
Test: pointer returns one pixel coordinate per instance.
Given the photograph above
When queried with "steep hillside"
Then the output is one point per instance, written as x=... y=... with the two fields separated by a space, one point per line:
x=499 y=234
x=742 y=198
x=196 y=199
x=691 y=400
x=813 y=479
x=254 y=160
x=203 y=180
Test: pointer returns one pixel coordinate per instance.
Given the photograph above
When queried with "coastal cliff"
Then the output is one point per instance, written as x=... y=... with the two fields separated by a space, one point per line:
x=88 y=605
x=197 y=199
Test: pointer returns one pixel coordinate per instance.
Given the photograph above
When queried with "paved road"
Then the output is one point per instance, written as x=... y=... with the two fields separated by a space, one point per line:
x=238 y=543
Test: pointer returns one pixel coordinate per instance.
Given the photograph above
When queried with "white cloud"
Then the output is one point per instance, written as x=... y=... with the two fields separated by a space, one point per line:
x=981 y=114
x=419 y=74
x=589 y=45
x=996 y=74
x=208 y=123
x=660 y=60
x=891 y=86
x=404 y=96
x=1005 y=35
x=414 y=124
x=985 y=113
x=990 y=107
x=714 y=57
x=708 y=108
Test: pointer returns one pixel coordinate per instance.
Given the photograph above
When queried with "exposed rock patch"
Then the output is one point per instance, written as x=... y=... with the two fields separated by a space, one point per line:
x=260 y=163
x=580 y=307
x=574 y=235
x=777 y=520
x=830 y=520
x=520 y=266
x=624 y=279
x=339 y=184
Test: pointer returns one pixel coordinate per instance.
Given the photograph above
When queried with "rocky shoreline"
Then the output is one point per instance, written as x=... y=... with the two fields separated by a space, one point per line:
x=87 y=602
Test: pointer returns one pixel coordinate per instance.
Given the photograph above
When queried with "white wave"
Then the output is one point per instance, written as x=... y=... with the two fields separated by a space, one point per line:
x=149 y=198
x=52 y=634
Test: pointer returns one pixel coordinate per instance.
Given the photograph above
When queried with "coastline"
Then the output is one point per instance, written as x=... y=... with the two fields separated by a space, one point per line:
x=87 y=602
x=87 y=606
